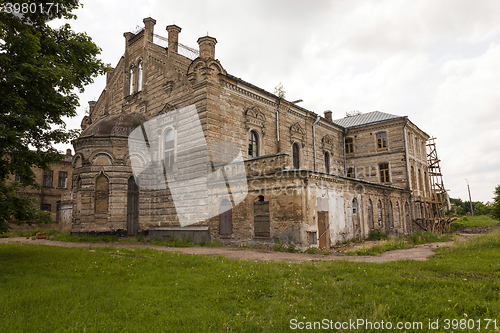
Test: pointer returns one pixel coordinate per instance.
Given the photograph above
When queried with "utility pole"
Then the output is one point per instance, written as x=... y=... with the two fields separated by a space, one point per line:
x=470 y=201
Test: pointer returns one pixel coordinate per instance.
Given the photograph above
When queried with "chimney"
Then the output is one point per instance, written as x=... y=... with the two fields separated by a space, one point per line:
x=173 y=38
x=149 y=27
x=92 y=106
x=68 y=152
x=207 y=47
x=328 y=115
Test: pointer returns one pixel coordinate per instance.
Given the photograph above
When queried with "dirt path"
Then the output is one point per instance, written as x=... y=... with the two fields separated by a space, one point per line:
x=421 y=252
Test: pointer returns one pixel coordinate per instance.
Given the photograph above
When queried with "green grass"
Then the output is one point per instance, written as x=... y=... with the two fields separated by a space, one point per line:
x=401 y=242
x=12 y=234
x=51 y=289
x=474 y=221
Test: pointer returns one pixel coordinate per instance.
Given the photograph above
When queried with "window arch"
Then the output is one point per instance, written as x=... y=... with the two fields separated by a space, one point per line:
x=296 y=157
x=131 y=82
x=101 y=194
x=168 y=150
x=253 y=144
x=327 y=162
x=380 y=216
x=139 y=76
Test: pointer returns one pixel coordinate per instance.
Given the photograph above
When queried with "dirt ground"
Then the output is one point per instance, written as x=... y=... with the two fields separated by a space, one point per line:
x=421 y=252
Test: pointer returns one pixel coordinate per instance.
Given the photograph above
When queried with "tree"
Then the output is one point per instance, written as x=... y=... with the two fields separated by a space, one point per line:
x=495 y=210
x=279 y=91
x=40 y=70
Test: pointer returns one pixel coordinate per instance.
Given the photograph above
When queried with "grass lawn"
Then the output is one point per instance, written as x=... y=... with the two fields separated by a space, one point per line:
x=51 y=289
x=474 y=221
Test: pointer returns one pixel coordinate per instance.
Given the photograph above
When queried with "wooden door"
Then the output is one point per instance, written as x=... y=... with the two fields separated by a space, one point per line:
x=132 y=207
x=225 y=218
x=262 y=226
x=323 y=230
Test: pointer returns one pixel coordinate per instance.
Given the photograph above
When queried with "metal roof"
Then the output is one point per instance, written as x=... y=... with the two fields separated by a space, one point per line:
x=365 y=119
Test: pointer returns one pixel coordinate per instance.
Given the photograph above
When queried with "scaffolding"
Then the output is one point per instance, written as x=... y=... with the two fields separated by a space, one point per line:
x=431 y=207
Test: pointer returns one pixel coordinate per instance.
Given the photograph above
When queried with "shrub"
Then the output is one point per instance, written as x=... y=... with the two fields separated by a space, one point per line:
x=377 y=234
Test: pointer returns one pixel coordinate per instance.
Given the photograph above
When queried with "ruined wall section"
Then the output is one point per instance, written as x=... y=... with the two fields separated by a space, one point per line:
x=416 y=141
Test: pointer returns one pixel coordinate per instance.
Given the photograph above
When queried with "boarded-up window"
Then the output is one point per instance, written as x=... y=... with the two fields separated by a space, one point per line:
x=132 y=207
x=225 y=218
x=296 y=158
x=63 y=179
x=101 y=194
x=131 y=83
x=139 y=77
x=261 y=218
x=47 y=178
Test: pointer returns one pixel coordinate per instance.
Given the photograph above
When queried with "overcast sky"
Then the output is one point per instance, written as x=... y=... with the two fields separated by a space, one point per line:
x=437 y=62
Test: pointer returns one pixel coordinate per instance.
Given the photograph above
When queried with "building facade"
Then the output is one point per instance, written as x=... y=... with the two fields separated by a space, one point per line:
x=309 y=180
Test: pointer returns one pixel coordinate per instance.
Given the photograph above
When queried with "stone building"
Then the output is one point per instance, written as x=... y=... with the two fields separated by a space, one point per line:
x=54 y=183
x=309 y=180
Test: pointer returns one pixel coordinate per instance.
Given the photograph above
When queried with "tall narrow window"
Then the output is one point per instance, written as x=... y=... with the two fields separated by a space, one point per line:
x=253 y=145
x=349 y=149
x=354 y=206
x=101 y=194
x=63 y=179
x=420 y=184
x=131 y=82
x=384 y=173
x=351 y=173
x=139 y=77
x=327 y=162
x=47 y=178
x=17 y=178
x=380 y=216
x=168 y=150
x=398 y=215
x=391 y=218
x=413 y=179
x=296 y=159
x=381 y=141
x=370 y=214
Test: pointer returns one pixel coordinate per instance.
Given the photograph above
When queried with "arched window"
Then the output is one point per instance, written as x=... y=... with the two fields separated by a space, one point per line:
x=370 y=214
x=420 y=184
x=380 y=216
x=354 y=206
x=398 y=216
x=131 y=82
x=168 y=150
x=391 y=219
x=327 y=162
x=253 y=145
x=296 y=158
x=101 y=194
x=139 y=77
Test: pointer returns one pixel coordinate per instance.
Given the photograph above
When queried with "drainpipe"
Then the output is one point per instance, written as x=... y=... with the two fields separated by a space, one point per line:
x=314 y=140
x=278 y=124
